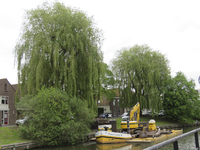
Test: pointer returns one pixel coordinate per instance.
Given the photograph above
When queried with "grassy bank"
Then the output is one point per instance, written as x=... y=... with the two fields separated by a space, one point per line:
x=10 y=135
x=159 y=121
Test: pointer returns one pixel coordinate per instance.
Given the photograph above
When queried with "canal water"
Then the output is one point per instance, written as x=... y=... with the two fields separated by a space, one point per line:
x=187 y=143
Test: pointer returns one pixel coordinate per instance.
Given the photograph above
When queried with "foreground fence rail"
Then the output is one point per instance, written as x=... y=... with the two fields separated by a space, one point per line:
x=175 y=141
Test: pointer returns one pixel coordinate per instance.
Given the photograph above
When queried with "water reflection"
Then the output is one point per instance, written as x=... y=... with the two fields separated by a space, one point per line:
x=124 y=146
x=187 y=143
x=119 y=146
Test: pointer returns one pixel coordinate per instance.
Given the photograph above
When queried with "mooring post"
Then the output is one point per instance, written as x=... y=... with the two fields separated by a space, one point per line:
x=128 y=129
x=175 y=145
x=196 y=140
x=27 y=146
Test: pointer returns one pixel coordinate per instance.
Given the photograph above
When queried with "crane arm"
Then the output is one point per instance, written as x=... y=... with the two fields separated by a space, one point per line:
x=136 y=109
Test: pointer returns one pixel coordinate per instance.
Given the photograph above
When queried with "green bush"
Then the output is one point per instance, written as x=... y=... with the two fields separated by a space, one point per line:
x=55 y=118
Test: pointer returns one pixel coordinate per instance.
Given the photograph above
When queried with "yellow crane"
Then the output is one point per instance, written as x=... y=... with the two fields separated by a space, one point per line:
x=133 y=118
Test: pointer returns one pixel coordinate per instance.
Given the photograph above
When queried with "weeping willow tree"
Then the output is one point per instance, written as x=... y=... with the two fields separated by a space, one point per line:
x=141 y=74
x=59 y=47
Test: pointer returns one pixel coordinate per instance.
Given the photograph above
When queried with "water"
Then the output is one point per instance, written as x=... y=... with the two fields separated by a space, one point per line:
x=187 y=143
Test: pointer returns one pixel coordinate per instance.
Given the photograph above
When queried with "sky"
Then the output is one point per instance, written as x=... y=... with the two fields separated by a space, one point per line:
x=168 y=26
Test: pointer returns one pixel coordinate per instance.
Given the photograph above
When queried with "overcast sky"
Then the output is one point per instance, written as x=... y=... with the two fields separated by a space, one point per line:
x=170 y=26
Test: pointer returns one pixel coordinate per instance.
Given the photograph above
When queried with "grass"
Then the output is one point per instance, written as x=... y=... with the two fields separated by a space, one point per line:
x=159 y=121
x=10 y=135
x=118 y=121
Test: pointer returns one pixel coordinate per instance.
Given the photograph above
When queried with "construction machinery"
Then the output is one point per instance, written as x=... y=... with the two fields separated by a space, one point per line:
x=136 y=131
x=133 y=119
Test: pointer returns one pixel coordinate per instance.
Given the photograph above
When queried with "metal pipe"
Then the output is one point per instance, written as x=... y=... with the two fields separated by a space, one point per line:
x=172 y=140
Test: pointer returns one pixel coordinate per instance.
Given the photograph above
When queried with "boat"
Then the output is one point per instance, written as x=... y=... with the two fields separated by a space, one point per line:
x=112 y=137
x=106 y=137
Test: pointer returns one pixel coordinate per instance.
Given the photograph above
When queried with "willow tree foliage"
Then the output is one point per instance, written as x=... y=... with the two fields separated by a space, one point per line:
x=108 y=81
x=141 y=75
x=107 y=77
x=60 y=47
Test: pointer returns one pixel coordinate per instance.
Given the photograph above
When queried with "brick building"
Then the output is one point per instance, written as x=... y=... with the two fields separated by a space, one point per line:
x=8 y=112
x=113 y=105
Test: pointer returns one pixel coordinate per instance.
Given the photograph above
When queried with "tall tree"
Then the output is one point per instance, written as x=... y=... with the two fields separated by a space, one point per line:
x=181 y=99
x=141 y=74
x=60 y=47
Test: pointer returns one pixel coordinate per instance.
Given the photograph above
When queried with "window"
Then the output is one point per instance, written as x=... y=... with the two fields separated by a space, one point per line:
x=113 y=102
x=2 y=117
x=4 y=100
x=114 y=111
x=119 y=111
x=5 y=87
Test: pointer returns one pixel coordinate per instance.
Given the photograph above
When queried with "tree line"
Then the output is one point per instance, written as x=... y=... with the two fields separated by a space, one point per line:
x=61 y=76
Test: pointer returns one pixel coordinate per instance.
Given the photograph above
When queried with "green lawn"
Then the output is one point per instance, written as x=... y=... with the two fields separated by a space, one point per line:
x=10 y=135
x=159 y=120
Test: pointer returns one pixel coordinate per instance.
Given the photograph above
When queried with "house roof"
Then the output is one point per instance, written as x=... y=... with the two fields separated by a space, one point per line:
x=15 y=86
x=3 y=80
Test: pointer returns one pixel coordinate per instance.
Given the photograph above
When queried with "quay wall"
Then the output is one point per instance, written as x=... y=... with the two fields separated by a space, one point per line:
x=19 y=146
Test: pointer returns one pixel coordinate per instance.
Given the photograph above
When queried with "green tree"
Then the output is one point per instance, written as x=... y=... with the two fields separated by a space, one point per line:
x=141 y=75
x=108 y=82
x=55 y=118
x=181 y=99
x=107 y=77
x=60 y=47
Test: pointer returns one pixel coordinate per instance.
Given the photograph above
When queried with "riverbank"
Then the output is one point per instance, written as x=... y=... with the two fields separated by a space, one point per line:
x=186 y=143
x=19 y=146
x=10 y=134
x=10 y=138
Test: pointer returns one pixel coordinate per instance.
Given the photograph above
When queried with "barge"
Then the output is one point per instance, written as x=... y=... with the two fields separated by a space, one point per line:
x=106 y=137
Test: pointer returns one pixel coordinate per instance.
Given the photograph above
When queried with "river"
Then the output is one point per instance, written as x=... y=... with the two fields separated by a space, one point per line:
x=187 y=143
